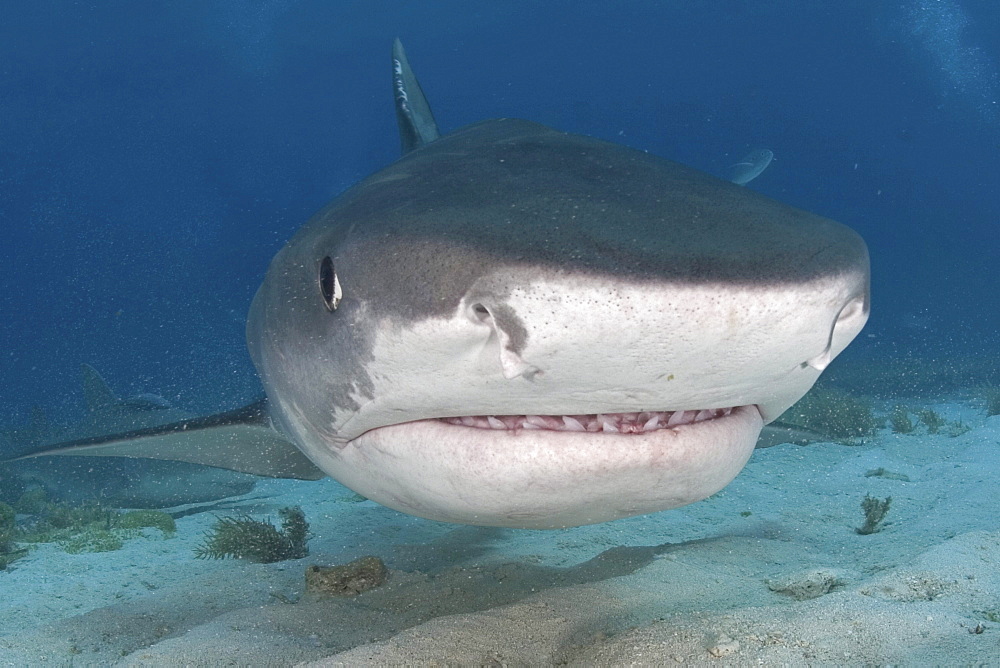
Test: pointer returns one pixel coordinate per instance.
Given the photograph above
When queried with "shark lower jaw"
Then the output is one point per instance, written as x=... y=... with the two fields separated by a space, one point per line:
x=549 y=475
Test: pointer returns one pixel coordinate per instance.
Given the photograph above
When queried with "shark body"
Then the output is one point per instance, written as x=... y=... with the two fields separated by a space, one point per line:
x=515 y=326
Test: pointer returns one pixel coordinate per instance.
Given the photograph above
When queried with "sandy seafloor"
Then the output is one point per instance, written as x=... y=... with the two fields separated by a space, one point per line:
x=688 y=586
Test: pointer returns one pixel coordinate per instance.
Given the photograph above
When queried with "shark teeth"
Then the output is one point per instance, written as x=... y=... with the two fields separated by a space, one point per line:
x=612 y=423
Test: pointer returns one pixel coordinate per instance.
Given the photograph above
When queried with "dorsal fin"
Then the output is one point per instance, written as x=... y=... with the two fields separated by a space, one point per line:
x=416 y=122
x=97 y=393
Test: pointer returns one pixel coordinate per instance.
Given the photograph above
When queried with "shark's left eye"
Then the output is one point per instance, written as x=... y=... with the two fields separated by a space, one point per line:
x=329 y=284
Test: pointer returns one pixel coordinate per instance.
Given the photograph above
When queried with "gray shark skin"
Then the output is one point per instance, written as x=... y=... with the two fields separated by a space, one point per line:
x=515 y=326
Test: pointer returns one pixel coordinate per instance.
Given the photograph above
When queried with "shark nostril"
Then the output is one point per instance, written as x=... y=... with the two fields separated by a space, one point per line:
x=481 y=313
x=849 y=321
x=500 y=342
x=855 y=308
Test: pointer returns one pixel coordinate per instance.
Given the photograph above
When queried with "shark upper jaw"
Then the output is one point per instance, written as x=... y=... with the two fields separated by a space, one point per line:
x=546 y=478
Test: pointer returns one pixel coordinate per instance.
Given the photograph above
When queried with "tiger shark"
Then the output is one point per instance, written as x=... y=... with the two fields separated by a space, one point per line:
x=515 y=326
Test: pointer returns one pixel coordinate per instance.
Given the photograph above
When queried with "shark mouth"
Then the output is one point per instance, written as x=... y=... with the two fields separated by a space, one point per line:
x=615 y=423
x=543 y=472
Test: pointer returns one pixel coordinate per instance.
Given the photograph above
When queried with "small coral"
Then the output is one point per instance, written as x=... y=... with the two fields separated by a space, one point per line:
x=875 y=511
x=255 y=540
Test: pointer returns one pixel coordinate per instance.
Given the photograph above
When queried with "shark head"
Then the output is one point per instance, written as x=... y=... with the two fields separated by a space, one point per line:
x=515 y=326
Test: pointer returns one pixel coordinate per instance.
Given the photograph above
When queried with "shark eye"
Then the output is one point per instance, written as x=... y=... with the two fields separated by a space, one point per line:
x=329 y=284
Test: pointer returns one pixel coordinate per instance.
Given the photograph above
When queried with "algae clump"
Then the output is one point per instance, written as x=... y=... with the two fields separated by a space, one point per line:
x=899 y=420
x=255 y=540
x=875 y=511
x=932 y=420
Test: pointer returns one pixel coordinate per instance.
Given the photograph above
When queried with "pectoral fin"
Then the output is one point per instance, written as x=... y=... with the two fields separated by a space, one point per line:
x=239 y=440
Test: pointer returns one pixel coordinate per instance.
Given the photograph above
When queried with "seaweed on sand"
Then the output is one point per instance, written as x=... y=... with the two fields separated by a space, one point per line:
x=243 y=537
x=932 y=420
x=875 y=511
x=899 y=420
x=88 y=527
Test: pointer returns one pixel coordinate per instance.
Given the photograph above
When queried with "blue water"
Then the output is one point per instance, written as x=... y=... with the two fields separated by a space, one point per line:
x=156 y=155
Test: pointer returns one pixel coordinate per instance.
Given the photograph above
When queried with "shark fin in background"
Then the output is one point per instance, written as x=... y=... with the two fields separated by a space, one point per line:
x=416 y=122
x=239 y=440
x=752 y=166
x=96 y=392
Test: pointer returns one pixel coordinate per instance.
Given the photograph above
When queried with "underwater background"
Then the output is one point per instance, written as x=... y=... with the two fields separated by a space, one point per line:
x=157 y=155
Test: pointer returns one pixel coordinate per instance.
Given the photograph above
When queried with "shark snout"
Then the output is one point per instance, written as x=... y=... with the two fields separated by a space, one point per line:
x=595 y=344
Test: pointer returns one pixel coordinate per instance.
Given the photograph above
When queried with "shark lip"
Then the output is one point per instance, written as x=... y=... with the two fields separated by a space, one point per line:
x=613 y=423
